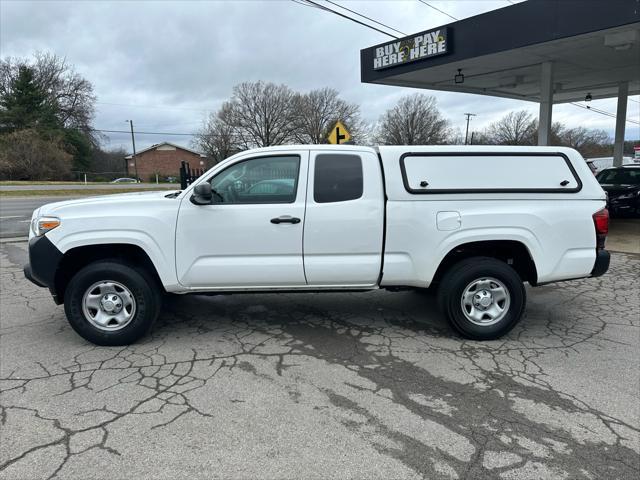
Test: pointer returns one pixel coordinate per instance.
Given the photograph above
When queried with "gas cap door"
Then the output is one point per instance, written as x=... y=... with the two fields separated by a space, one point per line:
x=447 y=221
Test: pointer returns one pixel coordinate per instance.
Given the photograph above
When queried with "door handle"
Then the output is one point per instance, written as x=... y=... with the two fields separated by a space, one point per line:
x=285 y=219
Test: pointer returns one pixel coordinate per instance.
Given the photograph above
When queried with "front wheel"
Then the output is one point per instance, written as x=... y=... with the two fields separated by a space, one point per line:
x=483 y=298
x=109 y=303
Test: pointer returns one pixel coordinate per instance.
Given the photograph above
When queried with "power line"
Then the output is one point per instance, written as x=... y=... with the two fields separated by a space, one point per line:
x=438 y=10
x=311 y=3
x=609 y=114
x=593 y=109
x=143 y=133
x=302 y=2
x=182 y=134
x=603 y=112
x=368 y=18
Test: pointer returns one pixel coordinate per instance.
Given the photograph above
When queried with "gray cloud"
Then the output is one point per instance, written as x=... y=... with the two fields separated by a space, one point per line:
x=166 y=64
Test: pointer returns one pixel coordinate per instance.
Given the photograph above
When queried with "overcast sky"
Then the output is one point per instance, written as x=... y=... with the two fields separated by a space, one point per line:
x=167 y=64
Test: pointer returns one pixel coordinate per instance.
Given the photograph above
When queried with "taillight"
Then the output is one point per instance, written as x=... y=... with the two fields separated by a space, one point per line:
x=601 y=222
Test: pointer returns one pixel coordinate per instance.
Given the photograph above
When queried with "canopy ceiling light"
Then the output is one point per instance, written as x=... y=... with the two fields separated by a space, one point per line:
x=459 y=78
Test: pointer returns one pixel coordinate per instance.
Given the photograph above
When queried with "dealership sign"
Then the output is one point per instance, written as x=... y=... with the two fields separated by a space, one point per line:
x=418 y=47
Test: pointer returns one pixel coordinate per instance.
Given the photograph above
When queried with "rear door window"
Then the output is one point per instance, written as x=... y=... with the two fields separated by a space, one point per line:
x=337 y=178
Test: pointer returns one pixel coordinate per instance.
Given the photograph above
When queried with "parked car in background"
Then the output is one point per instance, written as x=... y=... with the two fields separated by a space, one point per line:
x=125 y=180
x=601 y=163
x=622 y=185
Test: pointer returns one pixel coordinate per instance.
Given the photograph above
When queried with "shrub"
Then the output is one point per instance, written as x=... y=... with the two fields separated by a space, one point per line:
x=31 y=155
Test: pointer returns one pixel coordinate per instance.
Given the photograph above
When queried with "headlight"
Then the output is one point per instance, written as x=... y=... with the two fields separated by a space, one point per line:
x=41 y=225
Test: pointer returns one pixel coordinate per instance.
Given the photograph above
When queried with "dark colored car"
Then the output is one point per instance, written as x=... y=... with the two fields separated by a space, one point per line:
x=622 y=185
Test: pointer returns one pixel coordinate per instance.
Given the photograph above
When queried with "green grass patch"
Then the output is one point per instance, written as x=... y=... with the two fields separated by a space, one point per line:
x=44 y=182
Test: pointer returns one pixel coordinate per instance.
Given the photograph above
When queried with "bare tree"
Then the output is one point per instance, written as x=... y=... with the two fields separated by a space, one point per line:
x=217 y=138
x=69 y=96
x=588 y=142
x=319 y=110
x=261 y=114
x=456 y=137
x=415 y=120
x=515 y=128
x=521 y=128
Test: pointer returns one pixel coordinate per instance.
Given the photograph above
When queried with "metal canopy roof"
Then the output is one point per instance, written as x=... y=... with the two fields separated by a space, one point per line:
x=593 y=44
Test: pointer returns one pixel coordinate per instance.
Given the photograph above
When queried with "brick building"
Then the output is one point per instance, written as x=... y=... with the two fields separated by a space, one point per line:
x=163 y=159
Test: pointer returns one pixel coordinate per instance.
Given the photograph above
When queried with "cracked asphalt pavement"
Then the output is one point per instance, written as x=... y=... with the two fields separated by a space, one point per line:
x=367 y=385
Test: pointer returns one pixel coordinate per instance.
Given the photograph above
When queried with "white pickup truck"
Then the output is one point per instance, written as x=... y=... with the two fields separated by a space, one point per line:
x=475 y=222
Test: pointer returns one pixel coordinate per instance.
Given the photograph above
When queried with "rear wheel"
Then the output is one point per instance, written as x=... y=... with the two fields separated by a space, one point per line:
x=483 y=298
x=109 y=303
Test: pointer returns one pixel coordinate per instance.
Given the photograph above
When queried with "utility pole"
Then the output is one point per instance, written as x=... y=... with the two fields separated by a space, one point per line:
x=133 y=141
x=466 y=135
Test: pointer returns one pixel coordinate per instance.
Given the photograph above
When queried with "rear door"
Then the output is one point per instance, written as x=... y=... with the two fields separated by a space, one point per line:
x=344 y=219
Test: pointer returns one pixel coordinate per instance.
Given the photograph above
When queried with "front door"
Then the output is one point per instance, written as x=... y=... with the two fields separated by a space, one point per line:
x=251 y=234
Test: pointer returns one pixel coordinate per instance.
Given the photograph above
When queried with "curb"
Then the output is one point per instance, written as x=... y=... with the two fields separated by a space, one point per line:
x=14 y=239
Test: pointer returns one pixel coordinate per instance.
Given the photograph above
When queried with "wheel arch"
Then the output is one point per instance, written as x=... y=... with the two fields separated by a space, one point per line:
x=513 y=252
x=76 y=258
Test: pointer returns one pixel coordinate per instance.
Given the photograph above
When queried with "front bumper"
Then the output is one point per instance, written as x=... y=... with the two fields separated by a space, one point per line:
x=44 y=260
x=601 y=265
x=29 y=276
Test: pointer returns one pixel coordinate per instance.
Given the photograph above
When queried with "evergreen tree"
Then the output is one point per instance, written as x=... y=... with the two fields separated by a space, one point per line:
x=48 y=98
x=78 y=145
x=26 y=104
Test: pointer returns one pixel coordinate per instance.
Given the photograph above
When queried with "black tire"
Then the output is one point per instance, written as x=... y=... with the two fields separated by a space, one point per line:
x=143 y=288
x=463 y=274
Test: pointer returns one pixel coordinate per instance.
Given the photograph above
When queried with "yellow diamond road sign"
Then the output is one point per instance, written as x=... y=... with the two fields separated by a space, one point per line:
x=339 y=134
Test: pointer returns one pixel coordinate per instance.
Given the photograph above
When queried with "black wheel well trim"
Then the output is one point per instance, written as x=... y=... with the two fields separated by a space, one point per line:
x=76 y=258
x=513 y=252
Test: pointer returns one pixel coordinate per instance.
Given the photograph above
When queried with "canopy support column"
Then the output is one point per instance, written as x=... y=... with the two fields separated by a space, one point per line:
x=621 y=119
x=546 y=103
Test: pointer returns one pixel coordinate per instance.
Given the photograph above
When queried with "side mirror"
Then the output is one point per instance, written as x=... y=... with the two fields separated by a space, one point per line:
x=202 y=194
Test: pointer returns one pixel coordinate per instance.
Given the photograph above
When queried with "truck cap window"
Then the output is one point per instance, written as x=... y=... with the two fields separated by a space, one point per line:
x=258 y=180
x=337 y=178
x=488 y=172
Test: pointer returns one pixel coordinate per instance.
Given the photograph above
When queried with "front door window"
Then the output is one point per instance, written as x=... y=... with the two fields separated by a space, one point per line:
x=258 y=181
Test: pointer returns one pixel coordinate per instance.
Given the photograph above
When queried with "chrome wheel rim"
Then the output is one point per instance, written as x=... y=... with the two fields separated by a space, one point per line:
x=485 y=301
x=108 y=305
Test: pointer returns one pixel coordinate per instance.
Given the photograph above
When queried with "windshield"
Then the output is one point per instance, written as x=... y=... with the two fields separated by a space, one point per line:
x=626 y=176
